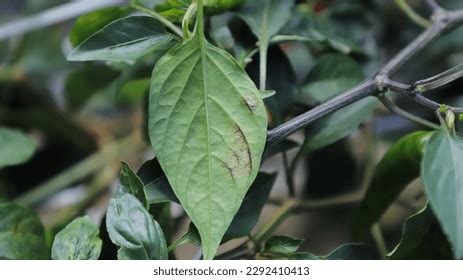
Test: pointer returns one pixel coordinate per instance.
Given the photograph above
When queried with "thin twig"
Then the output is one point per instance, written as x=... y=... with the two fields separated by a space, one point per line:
x=399 y=111
x=414 y=16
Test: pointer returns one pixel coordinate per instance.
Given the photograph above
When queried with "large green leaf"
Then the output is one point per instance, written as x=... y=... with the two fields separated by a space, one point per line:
x=266 y=17
x=396 y=170
x=134 y=230
x=15 y=147
x=88 y=24
x=422 y=239
x=21 y=234
x=124 y=39
x=131 y=183
x=77 y=241
x=441 y=171
x=208 y=128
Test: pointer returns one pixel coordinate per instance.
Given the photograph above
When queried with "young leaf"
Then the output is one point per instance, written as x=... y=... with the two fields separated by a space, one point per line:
x=422 y=239
x=15 y=147
x=124 y=39
x=132 y=228
x=88 y=24
x=77 y=241
x=131 y=183
x=21 y=234
x=282 y=245
x=208 y=128
x=443 y=181
x=248 y=215
x=396 y=170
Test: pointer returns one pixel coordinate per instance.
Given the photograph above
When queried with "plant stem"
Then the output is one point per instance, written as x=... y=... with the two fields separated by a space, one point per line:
x=79 y=171
x=289 y=176
x=174 y=28
x=278 y=217
x=263 y=53
x=379 y=240
x=415 y=17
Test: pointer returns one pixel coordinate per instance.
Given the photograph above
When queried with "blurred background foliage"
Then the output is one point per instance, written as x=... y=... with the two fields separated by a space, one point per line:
x=96 y=111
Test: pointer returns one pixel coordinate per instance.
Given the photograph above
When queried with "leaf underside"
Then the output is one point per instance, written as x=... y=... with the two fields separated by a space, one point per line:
x=208 y=128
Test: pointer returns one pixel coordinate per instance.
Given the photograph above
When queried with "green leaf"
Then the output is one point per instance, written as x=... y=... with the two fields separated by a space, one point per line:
x=21 y=234
x=134 y=230
x=131 y=183
x=79 y=240
x=282 y=245
x=87 y=25
x=331 y=75
x=443 y=181
x=338 y=125
x=266 y=17
x=248 y=215
x=124 y=39
x=396 y=170
x=208 y=128
x=174 y=10
x=156 y=186
x=15 y=147
x=422 y=239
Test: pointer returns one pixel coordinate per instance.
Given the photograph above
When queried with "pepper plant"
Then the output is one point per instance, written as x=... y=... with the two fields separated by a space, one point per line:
x=223 y=100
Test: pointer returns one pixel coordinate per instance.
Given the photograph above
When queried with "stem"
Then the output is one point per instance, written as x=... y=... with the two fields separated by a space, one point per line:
x=187 y=18
x=174 y=28
x=379 y=240
x=263 y=52
x=79 y=171
x=289 y=176
x=278 y=217
x=414 y=16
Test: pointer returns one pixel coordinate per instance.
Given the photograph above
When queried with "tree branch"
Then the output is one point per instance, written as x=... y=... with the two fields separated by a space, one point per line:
x=443 y=21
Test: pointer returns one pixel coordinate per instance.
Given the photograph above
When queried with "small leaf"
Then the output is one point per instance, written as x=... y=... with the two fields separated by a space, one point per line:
x=208 y=129
x=396 y=170
x=422 y=239
x=443 y=181
x=132 y=228
x=88 y=24
x=21 y=234
x=248 y=215
x=131 y=183
x=266 y=17
x=15 y=147
x=124 y=39
x=282 y=245
x=156 y=186
x=77 y=241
